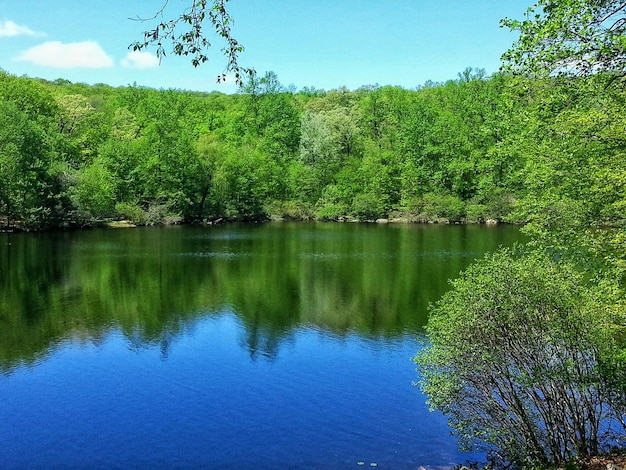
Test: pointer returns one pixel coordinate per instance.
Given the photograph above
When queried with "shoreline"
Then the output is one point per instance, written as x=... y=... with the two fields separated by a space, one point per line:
x=126 y=223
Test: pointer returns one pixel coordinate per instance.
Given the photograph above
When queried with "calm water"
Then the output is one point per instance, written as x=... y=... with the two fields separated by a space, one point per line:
x=269 y=346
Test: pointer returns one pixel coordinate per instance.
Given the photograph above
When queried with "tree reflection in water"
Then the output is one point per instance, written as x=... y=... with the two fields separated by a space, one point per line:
x=154 y=283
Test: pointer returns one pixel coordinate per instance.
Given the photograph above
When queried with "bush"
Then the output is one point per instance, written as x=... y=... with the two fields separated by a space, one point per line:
x=499 y=205
x=517 y=362
x=94 y=190
x=442 y=206
x=160 y=213
x=368 y=206
x=330 y=211
x=289 y=210
x=333 y=204
x=475 y=212
x=131 y=212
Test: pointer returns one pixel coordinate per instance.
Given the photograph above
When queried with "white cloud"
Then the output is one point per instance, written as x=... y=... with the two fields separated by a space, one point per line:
x=10 y=29
x=140 y=60
x=87 y=54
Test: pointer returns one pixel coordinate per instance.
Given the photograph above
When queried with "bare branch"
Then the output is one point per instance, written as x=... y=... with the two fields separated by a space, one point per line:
x=158 y=13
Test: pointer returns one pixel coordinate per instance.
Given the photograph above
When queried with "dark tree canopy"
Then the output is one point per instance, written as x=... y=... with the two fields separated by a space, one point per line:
x=573 y=37
x=187 y=35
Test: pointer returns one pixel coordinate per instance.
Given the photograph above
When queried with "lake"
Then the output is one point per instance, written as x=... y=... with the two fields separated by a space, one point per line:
x=282 y=345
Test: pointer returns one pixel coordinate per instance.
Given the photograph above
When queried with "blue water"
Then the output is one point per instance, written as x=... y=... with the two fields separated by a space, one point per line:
x=322 y=402
x=213 y=372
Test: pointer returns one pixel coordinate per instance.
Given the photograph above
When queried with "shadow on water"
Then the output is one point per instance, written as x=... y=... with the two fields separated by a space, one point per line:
x=152 y=283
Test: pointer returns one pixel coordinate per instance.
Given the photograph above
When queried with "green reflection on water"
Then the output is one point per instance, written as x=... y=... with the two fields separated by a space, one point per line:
x=153 y=283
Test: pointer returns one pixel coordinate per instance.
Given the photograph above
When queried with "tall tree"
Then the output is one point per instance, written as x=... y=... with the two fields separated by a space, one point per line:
x=27 y=192
x=548 y=323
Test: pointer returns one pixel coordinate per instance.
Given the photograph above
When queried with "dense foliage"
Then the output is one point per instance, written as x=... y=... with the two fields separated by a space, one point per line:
x=528 y=350
x=571 y=37
x=524 y=362
x=547 y=152
x=472 y=149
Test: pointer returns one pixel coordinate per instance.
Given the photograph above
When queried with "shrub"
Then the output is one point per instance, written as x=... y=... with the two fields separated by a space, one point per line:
x=368 y=206
x=131 y=212
x=475 y=212
x=517 y=362
x=288 y=210
x=330 y=211
x=442 y=206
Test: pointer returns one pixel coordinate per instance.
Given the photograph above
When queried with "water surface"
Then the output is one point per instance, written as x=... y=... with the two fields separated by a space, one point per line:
x=263 y=346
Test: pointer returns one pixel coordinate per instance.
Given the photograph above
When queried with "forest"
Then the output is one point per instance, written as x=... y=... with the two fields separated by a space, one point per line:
x=473 y=149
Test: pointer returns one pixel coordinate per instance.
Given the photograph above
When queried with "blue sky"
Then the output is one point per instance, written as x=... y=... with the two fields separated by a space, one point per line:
x=321 y=43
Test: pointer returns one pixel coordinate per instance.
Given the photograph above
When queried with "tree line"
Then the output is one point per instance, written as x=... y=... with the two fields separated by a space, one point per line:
x=470 y=149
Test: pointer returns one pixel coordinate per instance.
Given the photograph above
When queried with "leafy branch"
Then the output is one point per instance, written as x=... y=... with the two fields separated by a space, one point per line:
x=572 y=37
x=193 y=40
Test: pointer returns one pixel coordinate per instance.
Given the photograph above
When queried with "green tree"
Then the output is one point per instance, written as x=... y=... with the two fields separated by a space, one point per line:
x=211 y=154
x=28 y=193
x=163 y=165
x=527 y=357
x=329 y=138
x=271 y=116
x=572 y=148
x=245 y=181
x=30 y=97
x=517 y=362
x=82 y=125
x=94 y=190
